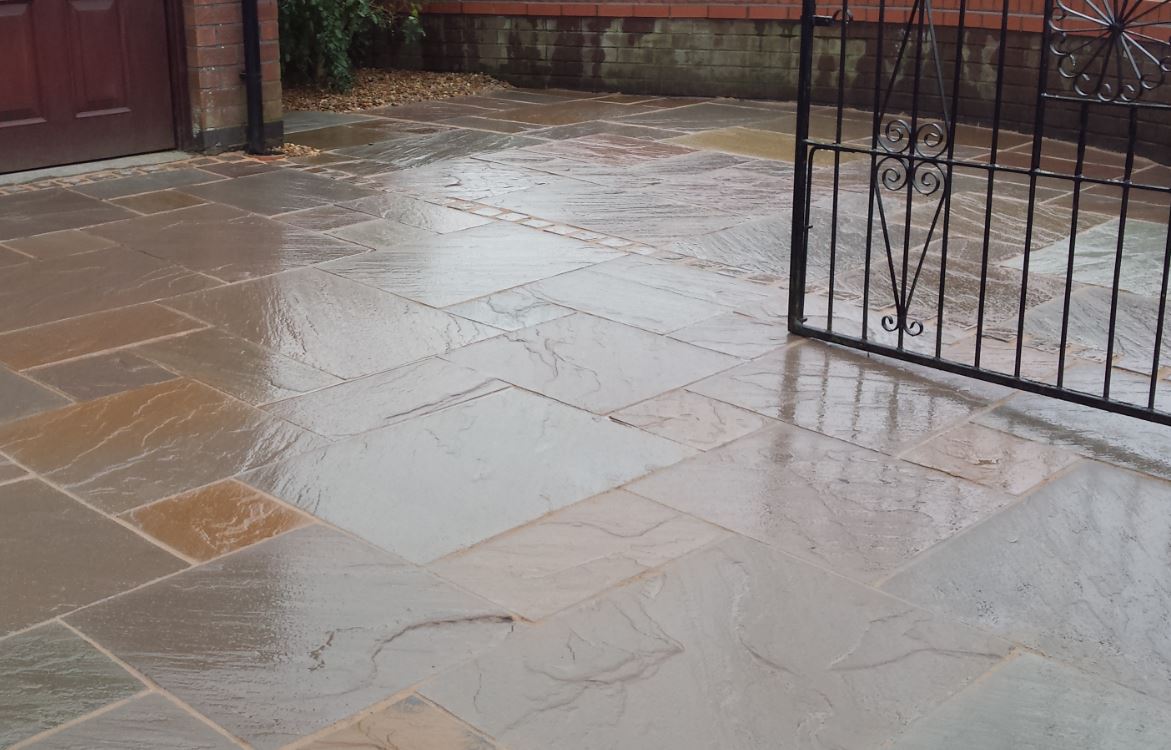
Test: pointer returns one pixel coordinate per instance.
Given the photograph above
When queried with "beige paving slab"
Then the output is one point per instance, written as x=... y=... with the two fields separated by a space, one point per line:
x=576 y=553
x=691 y=419
x=737 y=646
x=992 y=458
x=410 y=724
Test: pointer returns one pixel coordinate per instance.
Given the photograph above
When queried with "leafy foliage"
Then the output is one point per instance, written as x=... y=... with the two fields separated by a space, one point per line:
x=319 y=38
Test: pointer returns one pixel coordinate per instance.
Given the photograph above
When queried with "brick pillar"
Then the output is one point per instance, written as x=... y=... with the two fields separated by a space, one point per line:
x=215 y=60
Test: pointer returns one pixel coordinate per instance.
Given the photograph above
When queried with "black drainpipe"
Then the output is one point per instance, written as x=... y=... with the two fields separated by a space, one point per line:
x=252 y=78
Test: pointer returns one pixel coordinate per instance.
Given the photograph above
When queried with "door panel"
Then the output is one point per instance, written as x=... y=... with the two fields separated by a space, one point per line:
x=83 y=80
x=98 y=45
x=20 y=102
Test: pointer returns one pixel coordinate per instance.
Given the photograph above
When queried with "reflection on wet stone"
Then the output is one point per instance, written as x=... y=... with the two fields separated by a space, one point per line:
x=327 y=627
x=1076 y=571
x=50 y=677
x=149 y=721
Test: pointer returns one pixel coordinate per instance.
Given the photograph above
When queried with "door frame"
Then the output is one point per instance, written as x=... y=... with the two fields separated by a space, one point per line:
x=180 y=86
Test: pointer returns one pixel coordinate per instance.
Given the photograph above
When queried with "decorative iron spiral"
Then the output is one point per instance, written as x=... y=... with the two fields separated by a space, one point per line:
x=926 y=177
x=1109 y=48
x=892 y=323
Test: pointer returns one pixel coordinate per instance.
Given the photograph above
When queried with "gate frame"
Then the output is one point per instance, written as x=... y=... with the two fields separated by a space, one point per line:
x=805 y=150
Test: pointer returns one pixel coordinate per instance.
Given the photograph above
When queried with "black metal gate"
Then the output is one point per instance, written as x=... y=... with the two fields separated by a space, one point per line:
x=982 y=187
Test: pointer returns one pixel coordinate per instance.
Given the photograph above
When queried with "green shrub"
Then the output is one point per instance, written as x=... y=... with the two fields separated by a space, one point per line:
x=319 y=38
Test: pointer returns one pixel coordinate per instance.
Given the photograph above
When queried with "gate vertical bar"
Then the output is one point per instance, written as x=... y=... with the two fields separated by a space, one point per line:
x=798 y=250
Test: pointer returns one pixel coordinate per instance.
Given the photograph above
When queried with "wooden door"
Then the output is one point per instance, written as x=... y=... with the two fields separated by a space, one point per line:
x=82 y=80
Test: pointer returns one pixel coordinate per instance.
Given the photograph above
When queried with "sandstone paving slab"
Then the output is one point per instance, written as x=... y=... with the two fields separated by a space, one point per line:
x=591 y=363
x=1076 y=571
x=702 y=116
x=847 y=395
x=625 y=301
x=734 y=647
x=420 y=150
x=576 y=553
x=21 y=397
x=336 y=325
x=146 y=183
x=50 y=677
x=51 y=210
x=215 y=519
x=131 y=448
x=89 y=334
x=735 y=334
x=1036 y=703
x=147 y=721
x=381 y=234
x=566 y=113
x=991 y=458
x=609 y=148
x=443 y=481
x=410 y=724
x=58 y=244
x=1094 y=433
x=640 y=216
x=1144 y=249
x=457 y=267
x=159 y=201
x=464 y=178
x=289 y=636
x=685 y=280
x=417 y=213
x=52 y=290
x=760 y=245
x=59 y=555
x=323 y=218
x=101 y=375
x=691 y=419
x=477 y=122
x=510 y=310
x=279 y=191
x=758 y=144
x=300 y=121
x=225 y=243
x=236 y=366
x=385 y=398
x=854 y=511
x=1088 y=328
x=10 y=472
x=603 y=127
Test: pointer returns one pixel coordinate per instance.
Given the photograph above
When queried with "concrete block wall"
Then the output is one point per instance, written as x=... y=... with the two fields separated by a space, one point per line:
x=215 y=61
x=750 y=50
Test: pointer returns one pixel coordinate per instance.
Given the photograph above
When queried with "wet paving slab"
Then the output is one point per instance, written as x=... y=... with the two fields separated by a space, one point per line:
x=483 y=428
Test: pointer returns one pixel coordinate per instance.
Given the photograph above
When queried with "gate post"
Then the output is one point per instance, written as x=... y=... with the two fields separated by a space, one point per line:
x=800 y=228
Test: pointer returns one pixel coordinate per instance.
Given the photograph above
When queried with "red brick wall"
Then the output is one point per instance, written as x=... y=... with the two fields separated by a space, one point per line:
x=215 y=60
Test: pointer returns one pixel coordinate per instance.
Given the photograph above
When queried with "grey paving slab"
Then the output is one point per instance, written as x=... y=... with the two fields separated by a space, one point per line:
x=149 y=721
x=39 y=211
x=847 y=395
x=854 y=511
x=690 y=282
x=444 y=481
x=1077 y=571
x=591 y=363
x=738 y=335
x=625 y=301
x=279 y=191
x=462 y=266
x=510 y=310
x=1091 y=432
x=145 y=183
x=21 y=397
x=1035 y=703
x=289 y=636
x=385 y=398
x=417 y=213
x=50 y=677
x=58 y=555
x=297 y=121
x=735 y=647
x=336 y=325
